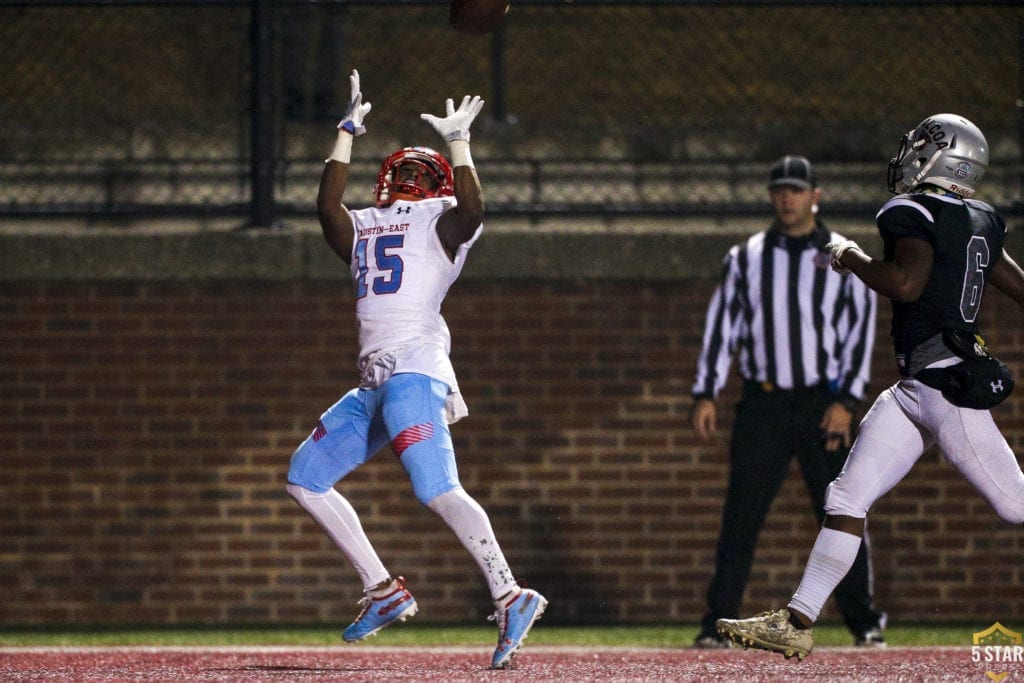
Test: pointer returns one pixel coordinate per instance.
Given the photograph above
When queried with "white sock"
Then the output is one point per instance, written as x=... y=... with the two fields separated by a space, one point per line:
x=338 y=518
x=388 y=589
x=469 y=522
x=833 y=554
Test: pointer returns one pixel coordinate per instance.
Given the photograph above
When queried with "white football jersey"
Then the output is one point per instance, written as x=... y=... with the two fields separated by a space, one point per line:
x=400 y=276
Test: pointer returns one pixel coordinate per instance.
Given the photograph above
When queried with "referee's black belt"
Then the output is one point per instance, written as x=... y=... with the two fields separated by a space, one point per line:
x=770 y=388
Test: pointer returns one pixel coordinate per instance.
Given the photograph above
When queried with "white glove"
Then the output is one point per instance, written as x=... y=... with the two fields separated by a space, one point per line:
x=838 y=249
x=353 y=120
x=455 y=125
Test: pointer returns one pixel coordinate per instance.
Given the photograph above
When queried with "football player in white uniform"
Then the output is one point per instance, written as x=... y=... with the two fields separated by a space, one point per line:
x=403 y=255
x=941 y=248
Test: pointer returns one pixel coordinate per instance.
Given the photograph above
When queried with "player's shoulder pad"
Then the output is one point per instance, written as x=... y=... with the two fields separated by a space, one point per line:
x=367 y=213
x=980 y=205
x=918 y=203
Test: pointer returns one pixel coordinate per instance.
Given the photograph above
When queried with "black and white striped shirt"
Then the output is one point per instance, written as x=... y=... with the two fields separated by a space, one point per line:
x=789 y=319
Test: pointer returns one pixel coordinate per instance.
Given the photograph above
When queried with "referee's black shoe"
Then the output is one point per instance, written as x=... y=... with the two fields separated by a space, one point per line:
x=711 y=641
x=874 y=637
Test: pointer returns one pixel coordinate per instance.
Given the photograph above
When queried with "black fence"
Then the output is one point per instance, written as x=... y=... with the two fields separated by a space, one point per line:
x=195 y=108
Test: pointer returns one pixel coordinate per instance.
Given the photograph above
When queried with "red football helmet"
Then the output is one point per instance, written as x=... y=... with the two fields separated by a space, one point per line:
x=414 y=173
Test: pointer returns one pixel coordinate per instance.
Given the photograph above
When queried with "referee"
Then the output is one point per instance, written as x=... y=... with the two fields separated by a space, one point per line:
x=802 y=337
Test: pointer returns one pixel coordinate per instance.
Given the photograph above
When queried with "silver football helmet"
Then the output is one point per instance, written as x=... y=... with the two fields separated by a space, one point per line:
x=945 y=150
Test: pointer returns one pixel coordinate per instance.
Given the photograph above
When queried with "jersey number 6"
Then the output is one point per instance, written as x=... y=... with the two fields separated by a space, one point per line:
x=974 y=278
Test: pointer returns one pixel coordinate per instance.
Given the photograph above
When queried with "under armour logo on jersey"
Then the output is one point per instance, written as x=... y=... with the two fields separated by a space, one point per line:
x=403 y=209
x=997 y=386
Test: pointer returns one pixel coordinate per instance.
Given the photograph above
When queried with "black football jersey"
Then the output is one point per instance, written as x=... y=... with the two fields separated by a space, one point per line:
x=967 y=237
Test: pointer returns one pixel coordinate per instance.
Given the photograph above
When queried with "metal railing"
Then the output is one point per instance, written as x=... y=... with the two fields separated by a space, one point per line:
x=599 y=106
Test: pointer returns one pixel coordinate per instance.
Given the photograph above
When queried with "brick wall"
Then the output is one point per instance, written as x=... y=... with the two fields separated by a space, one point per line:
x=146 y=427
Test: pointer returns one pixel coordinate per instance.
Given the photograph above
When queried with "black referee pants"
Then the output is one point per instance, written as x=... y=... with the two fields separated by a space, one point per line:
x=771 y=427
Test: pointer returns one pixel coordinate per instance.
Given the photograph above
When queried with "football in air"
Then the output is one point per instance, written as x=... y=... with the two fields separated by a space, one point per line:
x=477 y=17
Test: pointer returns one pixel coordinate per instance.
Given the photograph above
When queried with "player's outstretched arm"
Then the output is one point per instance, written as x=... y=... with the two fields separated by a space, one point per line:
x=901 y=279
x=335 y=220
x=458 y=225
x=1008 y=278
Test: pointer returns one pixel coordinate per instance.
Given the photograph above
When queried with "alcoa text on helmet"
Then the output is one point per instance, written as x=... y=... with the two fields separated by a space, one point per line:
x=945 y=150
x=413 y=173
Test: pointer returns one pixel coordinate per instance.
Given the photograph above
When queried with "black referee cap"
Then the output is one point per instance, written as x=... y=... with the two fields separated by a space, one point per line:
x=792 y=170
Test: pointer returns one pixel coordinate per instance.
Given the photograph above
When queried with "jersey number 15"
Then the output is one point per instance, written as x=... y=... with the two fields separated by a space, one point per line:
x=389 y=265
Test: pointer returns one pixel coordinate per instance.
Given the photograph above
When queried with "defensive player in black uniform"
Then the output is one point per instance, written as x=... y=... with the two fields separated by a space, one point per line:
x=941 y=248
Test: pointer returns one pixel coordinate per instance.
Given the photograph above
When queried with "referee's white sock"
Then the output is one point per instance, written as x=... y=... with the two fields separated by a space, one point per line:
x=833 y=554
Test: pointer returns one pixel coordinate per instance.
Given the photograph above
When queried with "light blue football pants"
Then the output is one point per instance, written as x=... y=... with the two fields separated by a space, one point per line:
x=408 y=411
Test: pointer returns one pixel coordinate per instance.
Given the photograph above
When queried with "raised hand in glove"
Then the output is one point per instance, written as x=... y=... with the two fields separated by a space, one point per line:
x=838 y=249
x=455 y=125
x=357 y=109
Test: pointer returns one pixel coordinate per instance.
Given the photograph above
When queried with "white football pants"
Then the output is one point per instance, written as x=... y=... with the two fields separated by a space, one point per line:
x=904 y=421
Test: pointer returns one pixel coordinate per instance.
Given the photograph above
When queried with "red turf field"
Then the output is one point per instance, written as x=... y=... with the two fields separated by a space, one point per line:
x=534 y=664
